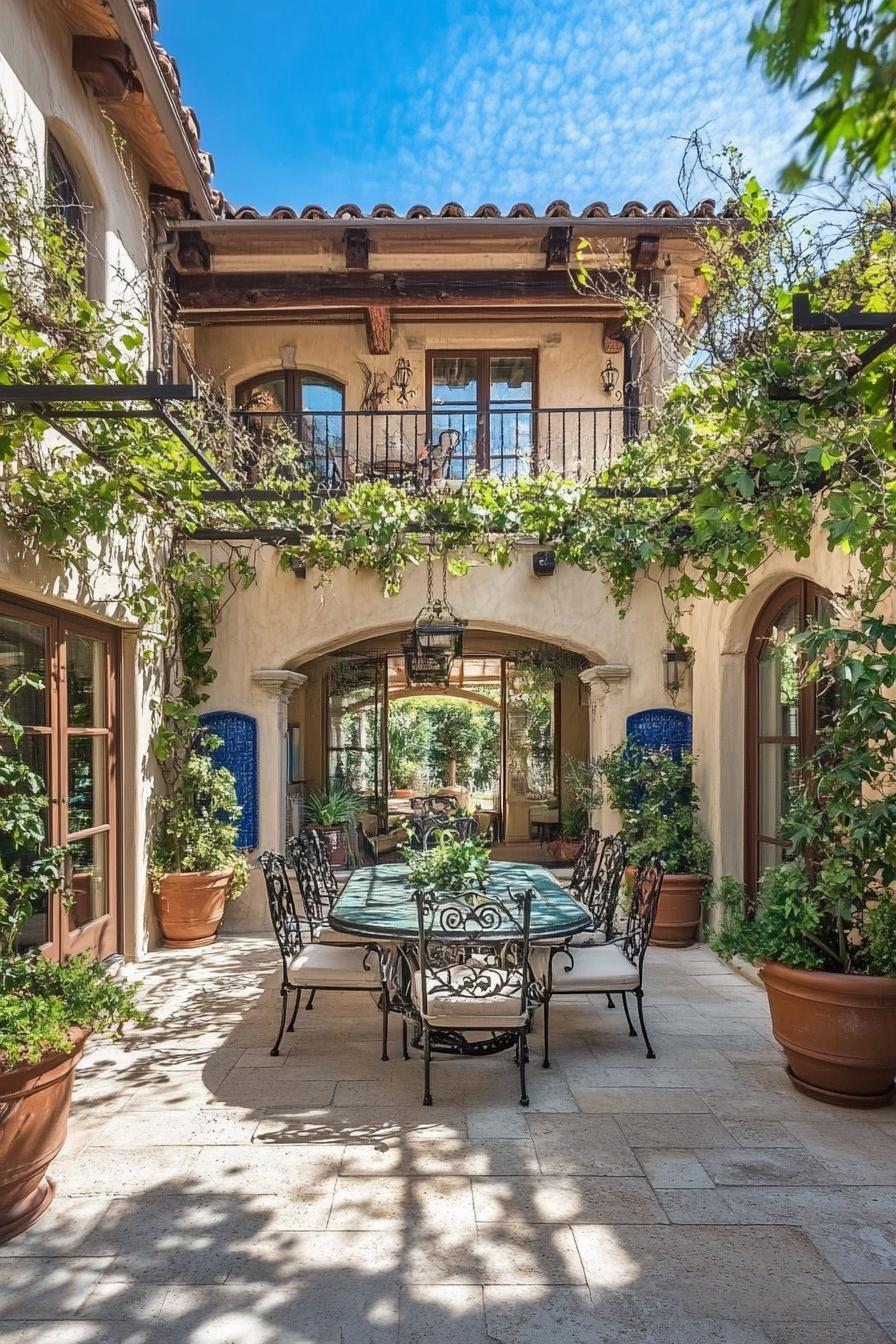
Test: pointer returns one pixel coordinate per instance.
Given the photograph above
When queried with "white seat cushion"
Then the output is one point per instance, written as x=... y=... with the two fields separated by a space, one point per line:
x=335 y=938
x=320 y=966
x=593 y=970
x=587 y=938
x=498 y=1011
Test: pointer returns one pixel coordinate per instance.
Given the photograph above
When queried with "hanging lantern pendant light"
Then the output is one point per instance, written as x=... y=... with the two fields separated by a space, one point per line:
x=437 y=636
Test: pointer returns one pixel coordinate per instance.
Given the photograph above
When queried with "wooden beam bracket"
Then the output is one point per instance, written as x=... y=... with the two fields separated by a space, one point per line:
x=357 y=249
x=646 y=252
x=378 y=322
x=193 y=252
x=107 y=67
x=557 y=244
x=613 y=336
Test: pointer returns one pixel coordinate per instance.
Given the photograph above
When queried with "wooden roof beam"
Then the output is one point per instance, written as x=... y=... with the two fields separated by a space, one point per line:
x=357 y=249
x=557 y=244
x=378 y=322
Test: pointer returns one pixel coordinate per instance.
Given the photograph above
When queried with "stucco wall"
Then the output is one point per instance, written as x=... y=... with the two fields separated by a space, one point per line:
x=41 y=92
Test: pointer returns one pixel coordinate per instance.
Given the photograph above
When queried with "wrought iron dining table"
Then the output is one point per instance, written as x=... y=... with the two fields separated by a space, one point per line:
x=377 y=904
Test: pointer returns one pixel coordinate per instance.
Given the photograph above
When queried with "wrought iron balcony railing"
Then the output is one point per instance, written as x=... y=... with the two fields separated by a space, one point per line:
x=419 y=448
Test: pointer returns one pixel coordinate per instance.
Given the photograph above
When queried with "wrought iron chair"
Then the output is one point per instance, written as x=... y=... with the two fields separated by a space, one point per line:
x=435 y=459
x=583 y=868
x=600 y=892
x=430 y=827
x=607 y=967
x=314 y=965
x=472 y=974
x=317 y=885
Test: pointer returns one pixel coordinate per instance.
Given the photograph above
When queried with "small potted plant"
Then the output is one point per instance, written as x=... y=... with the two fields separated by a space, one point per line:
x=449 y=866
x=657 y=799
x=195 y=864
x=579 y=796
x=334 y=814
x=47 y=1011
x=823 y=929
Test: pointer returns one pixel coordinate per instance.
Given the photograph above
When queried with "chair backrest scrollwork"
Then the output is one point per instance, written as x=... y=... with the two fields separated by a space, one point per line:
x=583 y=868
x=311 y=866
x=474 y=946
x=602 y=895
x=281 y=905
x=642 y=906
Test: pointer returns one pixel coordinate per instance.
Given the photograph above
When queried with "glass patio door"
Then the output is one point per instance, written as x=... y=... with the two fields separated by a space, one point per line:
x=71 y=727
x=357 y=729
x=487 y=399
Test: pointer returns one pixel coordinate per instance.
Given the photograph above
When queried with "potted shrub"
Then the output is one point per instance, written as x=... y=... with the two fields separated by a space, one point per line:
x=334 y=814
x=195 y=865
x=657 y=799
x=579 y=796
x=823 y=929
x=47 y=1011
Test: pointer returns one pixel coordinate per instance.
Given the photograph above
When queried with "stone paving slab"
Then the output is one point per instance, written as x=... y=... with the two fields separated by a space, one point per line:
x=212 y=1194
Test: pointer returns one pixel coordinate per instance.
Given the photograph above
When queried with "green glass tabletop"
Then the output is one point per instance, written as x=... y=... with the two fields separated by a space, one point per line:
x=377 y=902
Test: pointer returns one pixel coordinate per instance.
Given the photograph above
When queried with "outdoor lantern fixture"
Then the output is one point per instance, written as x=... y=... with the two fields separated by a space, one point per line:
x=437 y=635
x=609 y=376
x=422 y=669
x=676 y=667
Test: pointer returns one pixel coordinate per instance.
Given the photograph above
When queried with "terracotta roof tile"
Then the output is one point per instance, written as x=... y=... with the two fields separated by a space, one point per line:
x=454 y=210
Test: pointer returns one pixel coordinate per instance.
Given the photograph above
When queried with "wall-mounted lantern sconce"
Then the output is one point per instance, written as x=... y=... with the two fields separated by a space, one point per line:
x=609 y=377
x=676 y=669
x=543 y=564
x=298 y=567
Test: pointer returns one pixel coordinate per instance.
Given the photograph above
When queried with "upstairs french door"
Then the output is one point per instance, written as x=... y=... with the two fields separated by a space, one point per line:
x=71 y=739
x=487 y=398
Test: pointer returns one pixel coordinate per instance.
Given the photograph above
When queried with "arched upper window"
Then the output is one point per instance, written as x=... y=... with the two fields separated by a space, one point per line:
x=293 y=391
x=782 y=720
x=64 y=197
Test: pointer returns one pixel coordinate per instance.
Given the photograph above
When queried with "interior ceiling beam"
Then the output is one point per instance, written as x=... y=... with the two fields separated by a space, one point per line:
x=265 y=291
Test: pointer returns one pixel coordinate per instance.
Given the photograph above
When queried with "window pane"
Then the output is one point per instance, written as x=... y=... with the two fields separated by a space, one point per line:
x=771 y=856
x=34 y=752
x=23 y=648
x=510 y=442
x=86 y=870
x=778 y=780
x=511 y=379
x=87 y=776
x=86 y=681
x=778 y=680
x=454 y=380
x=319 y=394
x=462 y=459
x=268 y=394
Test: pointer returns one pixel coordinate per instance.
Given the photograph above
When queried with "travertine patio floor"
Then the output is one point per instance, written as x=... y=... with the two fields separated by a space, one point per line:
x=210 y=1193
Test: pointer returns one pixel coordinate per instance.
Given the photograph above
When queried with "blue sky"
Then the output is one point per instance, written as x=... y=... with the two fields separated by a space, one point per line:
x=470 y=100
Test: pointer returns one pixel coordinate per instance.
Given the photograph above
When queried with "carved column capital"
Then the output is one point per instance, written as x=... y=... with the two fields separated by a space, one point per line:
x=604 y=678
x=279 y=681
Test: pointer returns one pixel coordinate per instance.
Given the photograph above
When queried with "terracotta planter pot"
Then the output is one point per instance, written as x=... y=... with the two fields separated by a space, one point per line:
x=190 y=906
x=565 y=849
x=402 y=793
x=678 y=913
x=336 y=841
x=837 y=1031
x=34 y=1106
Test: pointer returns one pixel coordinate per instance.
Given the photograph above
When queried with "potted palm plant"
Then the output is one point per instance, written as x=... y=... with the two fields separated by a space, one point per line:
x=334 y=814
x=824 y=927
x=47 y=1011
x=580 y=794
x=658 y=801
x=196 y=866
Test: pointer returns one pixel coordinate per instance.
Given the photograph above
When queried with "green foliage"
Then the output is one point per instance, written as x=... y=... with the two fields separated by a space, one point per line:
x=658 y=801
x=728 y=899
x=41 y=1002
x=196 y=823
x=340 y=807
x=880 y=935
x=449 y=865
x=30 y=870
x=842 y=54
x=581 y=792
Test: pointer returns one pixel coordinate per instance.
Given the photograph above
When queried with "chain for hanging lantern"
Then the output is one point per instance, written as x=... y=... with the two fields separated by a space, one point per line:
x=437 y=635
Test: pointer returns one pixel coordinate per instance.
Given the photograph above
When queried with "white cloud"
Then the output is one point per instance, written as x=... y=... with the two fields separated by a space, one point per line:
x=582 y=100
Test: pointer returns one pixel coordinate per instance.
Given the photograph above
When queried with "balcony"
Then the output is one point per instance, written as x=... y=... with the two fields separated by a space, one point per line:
x=416 y=449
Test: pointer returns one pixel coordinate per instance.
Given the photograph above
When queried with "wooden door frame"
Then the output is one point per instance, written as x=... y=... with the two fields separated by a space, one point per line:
x=482 y=355
x=59 y=622
x=806 y=594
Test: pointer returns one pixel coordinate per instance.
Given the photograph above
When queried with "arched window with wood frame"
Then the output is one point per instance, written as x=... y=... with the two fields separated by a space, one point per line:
x=310 y=404
x=782 y=721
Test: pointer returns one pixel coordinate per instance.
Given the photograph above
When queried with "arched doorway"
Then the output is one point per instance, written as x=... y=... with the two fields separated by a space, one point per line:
x=782 y=721
x=495 y=734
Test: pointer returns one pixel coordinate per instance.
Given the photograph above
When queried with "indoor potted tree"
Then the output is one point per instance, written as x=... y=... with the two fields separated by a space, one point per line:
x=47 y=1011
x=195 y=864
x=824 y=927
x=657 y=799
x=334 y=814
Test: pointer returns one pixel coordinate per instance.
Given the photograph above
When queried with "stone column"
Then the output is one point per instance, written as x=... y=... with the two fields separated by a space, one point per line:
x=608 y=692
